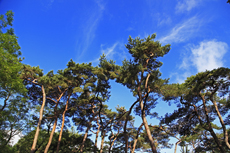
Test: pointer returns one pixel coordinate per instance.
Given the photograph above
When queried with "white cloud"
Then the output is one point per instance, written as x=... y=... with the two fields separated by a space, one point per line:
x=180 y=78
x=109 y=52
x=89 y=28
x=162 y=19
x=186 y=5
x=208 y=55
x=183 y=31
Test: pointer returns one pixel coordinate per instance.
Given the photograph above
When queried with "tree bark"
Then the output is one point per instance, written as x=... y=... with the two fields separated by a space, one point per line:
x=125 y=126
x=51 y=135
x=135 y=141
x=5 y=101
x=98 y=130
x=85 y=136
x=55 y=123
x=62 y=126
x=111 y=146
x=210 y=129
x=178 y=142
x=154 y=150
x=102 y=142
x=222 y=123
x=40 y=120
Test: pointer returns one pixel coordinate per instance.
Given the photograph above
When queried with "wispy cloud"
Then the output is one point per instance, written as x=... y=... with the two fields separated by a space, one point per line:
x=208 y=55
x=163 y=19
x=89 y=29
x=183 y=31
x=186 y=5
x=179 y=78
x=109 y=52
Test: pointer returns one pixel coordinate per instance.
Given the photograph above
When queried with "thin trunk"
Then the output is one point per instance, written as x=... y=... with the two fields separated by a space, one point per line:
x=147 y=128
x=84 y=139
x=178 y=142
x=98 y=130
x=40 y=120
x=110 y=142
x=135 y=141
x=56 y=118
x=153 y=147
x=51 y=135
x=10 y=136
x=5 y=101
x=223 y=125
x=111 y=146
x=62 y=126
x=87 y=130
x=102 y=142
x=126 y=121
x=210 y=126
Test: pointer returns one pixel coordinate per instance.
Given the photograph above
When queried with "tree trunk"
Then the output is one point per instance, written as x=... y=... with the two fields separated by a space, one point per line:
x=5 y=101
x=51 y=135
x=125 y=126
x=147 y=128
x=56 y=118
x=178 y=142
x=135 y=141
x=102 y=142
x=62 y=126
x=40 y=120
x=111 y=146
x=210 y=129
x=223 y=125
x=84 y=139
x=98 y=130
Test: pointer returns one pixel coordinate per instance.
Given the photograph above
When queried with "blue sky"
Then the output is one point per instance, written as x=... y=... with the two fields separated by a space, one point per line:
x=51 y=32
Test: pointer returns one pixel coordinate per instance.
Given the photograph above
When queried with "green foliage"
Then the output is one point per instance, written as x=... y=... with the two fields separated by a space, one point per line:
x=10 y=65
x=70 y=142
x=197 y=101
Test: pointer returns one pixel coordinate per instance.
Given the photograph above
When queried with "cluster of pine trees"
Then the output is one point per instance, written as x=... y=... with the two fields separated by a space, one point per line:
x=37 y=105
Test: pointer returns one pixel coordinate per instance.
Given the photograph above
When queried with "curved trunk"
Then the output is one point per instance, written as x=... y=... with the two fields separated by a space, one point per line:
x=178 y=142
x=126 y=121
x=56 y=118
x=210 y=129
x=51 y=136
x=62 y=126
x=111 y=146
x=154 y=150
x=102 y=142
x=98 y=130
x=223 y=125
x=135 y=141
x=84 y=139
x=40 y=120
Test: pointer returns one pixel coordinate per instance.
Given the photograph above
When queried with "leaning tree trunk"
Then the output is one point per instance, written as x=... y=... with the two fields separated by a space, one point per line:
x=55 y=122
x=154 y=150
x=210 y=129
x=87 y=130
x=135 y=141
x=62 y=126
x=223 y=125
x=40 y=120
x=178 y=142
x=98 y=130
x=102 y=142
x=51 y=136
x=85 y=136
